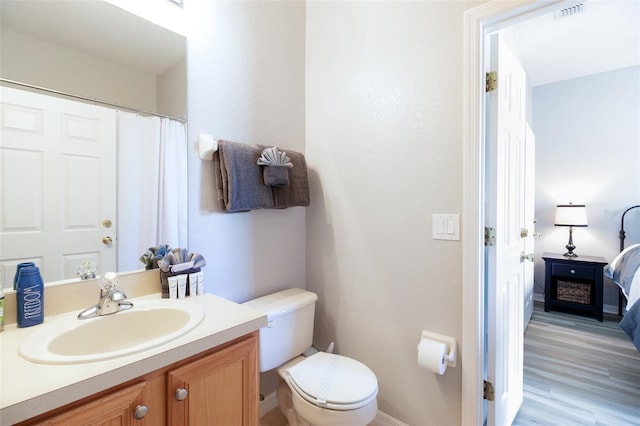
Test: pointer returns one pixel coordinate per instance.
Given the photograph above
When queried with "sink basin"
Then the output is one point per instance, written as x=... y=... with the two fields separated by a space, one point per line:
x=148 y=324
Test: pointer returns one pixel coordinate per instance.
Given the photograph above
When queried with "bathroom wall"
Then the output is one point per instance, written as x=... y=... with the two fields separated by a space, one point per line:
x=382 y=111
x=171 y=90
x=383 y=138
x=246 y=84
x=49 y=65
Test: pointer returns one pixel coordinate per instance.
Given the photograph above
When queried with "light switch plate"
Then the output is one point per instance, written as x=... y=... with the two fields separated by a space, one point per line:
x=446 y=227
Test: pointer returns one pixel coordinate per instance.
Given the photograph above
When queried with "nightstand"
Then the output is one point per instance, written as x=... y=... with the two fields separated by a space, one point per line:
x=573 y=284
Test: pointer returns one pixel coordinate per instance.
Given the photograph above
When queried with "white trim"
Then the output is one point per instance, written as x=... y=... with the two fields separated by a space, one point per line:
x=478 y=21
x=268 y=403
x=538 y=297
x=383 y=419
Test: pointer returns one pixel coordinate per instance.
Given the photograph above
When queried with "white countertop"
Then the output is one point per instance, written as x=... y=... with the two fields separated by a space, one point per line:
x=28 y=389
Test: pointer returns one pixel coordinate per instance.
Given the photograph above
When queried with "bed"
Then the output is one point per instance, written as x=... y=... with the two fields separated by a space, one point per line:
x=624 y=270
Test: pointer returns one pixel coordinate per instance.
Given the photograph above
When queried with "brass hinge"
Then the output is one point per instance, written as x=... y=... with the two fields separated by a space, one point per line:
x=489 y=236
x=491 y=81
x=489 y=392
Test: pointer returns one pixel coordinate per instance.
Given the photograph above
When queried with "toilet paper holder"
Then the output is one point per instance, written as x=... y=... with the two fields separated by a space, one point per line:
x=451 y=343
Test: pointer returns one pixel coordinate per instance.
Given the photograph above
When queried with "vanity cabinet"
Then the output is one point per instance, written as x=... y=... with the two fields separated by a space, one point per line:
x=216 y=387
x=117 y=407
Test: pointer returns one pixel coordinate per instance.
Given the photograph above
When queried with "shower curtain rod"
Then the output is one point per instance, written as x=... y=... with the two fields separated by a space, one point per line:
x=95 y=101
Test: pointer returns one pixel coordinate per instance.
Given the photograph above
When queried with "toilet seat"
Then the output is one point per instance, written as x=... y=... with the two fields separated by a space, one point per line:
x=333 y=382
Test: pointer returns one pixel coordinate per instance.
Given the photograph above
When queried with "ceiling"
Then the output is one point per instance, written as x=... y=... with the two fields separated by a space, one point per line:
x=98 y=29
x=603 y=36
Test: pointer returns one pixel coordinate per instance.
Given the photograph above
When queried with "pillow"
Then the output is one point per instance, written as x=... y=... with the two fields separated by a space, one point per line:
x=612 y=266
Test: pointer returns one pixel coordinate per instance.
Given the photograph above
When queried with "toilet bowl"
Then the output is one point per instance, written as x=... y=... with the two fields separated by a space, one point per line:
x=327 y=389
x=323 y=389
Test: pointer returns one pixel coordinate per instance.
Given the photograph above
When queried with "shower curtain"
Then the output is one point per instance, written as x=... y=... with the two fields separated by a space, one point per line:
x=152 y=186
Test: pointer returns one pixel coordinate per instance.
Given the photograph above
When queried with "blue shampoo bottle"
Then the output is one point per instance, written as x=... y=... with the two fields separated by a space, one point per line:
x=20 y=266
x=30 y=296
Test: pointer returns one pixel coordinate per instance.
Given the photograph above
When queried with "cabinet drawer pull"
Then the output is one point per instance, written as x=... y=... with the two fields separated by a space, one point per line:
x=181 y=394
x=140 y=411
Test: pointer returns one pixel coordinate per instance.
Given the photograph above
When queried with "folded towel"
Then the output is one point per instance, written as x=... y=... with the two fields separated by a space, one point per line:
x=276 y=175
x=297 y=192
x=240 y=184
x=153 y=255
x=275 y=164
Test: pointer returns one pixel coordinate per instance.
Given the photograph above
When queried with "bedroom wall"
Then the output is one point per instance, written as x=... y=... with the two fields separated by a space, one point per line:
x=383 y=139
x=588 y=151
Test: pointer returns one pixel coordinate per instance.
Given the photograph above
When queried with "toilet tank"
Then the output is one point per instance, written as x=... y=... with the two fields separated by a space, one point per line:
x=289 y=331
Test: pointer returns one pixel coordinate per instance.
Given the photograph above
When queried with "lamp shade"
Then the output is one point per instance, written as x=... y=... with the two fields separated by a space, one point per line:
x=571 y=215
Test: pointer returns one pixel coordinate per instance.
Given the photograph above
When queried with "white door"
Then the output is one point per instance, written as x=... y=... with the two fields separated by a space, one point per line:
x=505 y=212
x=529 y=221
x=57 y=162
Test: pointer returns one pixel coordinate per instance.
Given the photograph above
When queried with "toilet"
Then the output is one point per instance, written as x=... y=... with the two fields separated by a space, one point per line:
x=316 y=390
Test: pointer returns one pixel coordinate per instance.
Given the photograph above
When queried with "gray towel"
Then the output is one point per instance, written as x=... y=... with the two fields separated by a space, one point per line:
x=239 y=178
x=297 y=192
x=276 y=175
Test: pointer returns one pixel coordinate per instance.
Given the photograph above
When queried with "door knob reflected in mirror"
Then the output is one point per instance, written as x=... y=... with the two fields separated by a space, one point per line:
x=528 y=257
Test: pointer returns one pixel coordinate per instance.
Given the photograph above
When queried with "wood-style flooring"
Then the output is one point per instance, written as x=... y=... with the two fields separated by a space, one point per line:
x=578 y=371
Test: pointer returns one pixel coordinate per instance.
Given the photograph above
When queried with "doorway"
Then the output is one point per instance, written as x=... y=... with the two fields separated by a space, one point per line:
x=479 y=22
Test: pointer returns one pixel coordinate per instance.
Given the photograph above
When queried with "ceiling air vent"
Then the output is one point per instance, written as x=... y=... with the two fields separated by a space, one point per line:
x=570 y=11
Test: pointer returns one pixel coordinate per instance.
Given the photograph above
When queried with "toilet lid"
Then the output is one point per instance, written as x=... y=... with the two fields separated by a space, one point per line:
x=334 y=381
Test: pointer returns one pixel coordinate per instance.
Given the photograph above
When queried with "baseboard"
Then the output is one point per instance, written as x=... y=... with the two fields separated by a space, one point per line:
x=608 y=309
x=383 y=419
x=268 y=403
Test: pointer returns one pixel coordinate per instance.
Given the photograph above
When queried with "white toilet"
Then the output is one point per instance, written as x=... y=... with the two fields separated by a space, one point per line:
x=322 y=389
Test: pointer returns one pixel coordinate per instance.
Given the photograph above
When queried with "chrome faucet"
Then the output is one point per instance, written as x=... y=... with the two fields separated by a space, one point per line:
x=111 y=300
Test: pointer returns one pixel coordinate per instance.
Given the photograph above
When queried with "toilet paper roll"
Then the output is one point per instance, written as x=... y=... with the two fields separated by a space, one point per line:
x=431 y=355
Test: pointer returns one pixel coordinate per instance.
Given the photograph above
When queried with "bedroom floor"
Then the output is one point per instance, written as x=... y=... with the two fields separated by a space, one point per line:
x=578 y=371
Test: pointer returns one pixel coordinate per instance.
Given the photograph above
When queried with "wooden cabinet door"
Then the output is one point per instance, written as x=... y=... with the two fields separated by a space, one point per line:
x=117 y=408
x=221 y=388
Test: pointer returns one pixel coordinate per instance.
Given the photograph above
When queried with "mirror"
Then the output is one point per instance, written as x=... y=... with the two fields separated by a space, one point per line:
x=96 y=51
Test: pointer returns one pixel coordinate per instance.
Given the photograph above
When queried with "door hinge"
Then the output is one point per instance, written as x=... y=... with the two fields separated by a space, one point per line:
x=489 y=392
x=489 y=236
x=491 y=81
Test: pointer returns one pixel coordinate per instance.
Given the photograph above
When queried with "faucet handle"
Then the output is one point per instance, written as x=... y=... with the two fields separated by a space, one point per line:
x=109 y=282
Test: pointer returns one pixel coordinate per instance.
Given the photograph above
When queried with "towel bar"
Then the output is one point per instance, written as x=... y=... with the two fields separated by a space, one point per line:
x=207 y=145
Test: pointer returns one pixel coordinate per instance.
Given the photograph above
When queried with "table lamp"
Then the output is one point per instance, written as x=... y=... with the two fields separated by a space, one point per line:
x=571 y=215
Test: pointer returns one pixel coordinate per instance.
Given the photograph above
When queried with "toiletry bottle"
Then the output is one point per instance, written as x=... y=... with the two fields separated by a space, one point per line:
x=193 y=284
x=1 y=309
x=182 y=286
x=20 y=266
x=200 y=286
x=173 y=287
x=30 y=297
